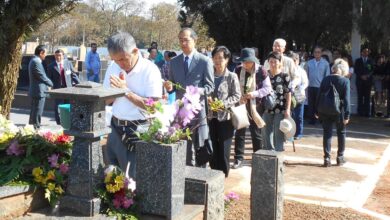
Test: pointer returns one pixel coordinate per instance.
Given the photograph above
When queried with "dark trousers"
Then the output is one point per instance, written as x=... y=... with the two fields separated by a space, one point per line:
x=312 y=97
x=297 y=114
x=239 y=141
x=120 y=148
x=37 y=106
x=364 y=92
x=388 y=100
x=56 y=112
x=327 y=126
x=221 y=133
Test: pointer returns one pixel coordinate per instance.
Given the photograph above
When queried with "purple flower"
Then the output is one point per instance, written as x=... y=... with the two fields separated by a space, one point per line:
x=127 y=203
x=15 y=149
x=64 y=168
x=233 y=196
x=192 y=94
x=149 y=102
x=53 y=160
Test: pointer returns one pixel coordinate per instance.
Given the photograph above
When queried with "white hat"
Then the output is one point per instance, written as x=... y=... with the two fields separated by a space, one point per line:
x=288 y=127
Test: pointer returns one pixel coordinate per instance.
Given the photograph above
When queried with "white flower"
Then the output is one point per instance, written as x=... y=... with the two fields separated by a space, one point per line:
x=27 y=130
x=131 y=185
x=109 y=169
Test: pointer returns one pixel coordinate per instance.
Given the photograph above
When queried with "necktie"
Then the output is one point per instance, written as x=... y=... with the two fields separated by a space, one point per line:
x=63 y=82
x=186 y=65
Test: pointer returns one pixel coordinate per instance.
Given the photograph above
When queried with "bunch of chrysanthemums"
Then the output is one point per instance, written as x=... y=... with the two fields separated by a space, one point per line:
x=230 y=198
x=29 y=157
x=170 y=123
x=118 y=194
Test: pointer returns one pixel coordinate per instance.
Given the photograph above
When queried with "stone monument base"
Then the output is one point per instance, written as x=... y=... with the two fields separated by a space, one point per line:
x=81 y=206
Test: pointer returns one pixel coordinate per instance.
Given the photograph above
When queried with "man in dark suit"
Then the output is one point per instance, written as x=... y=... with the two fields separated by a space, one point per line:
x=62 y=74
x=39 y=84
x=192 y=68
x=364 y=68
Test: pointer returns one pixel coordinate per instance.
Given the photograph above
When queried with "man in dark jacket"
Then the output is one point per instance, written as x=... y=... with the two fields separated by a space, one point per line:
x=364 y=68
x=39 y=84
x=62 y=74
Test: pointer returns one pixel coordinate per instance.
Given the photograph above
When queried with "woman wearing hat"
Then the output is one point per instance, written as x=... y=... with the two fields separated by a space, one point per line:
x=338 y=78
x=254 y=84
x=227 y=89
x=273 y=135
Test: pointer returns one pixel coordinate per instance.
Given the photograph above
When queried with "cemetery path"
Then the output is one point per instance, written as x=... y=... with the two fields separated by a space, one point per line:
x=357 y=185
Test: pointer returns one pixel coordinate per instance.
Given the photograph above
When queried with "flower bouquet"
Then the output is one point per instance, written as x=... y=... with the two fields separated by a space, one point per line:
x=170 y=123
x=28 y=157
x=118 y=194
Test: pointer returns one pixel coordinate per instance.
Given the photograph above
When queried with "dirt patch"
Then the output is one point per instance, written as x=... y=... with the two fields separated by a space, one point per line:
x=379 y=200
x=240 y=210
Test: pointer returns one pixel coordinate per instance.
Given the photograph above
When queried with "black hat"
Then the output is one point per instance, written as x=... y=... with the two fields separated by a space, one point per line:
x=247 y=54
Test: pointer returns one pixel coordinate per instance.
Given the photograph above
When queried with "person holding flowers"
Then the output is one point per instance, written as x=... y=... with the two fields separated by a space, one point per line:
x=142 y=80
x=227 y=93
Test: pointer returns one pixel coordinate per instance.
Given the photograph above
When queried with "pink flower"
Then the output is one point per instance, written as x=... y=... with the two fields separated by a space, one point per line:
x=233 y=196
x=117 y=203
x=192 y=94
x=64 y=168
x=15 y=149
x=49 y=136
x=63 y=139
x=53 y=160
x=127 y=203
x=149 y=102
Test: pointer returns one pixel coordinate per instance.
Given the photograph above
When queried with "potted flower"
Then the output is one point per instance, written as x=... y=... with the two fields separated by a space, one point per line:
x=161 y=154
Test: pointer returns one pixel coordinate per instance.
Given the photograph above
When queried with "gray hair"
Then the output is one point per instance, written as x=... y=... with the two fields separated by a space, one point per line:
x=282 y=42
x=341 y=67
x=121 y=42
x=193 y=34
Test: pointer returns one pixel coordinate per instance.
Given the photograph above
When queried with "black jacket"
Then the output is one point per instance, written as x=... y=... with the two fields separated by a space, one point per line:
x=342 y=85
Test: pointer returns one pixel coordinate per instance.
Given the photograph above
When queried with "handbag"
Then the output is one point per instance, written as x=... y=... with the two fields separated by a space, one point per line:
x=269 y=101
x=300 y=96
x=239 y=116
x=205 y=153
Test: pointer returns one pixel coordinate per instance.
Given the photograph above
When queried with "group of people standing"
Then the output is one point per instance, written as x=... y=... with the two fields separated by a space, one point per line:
x=249 y=84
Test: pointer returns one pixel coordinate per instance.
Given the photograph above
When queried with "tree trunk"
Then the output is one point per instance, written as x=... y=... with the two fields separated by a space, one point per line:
x=10 y=61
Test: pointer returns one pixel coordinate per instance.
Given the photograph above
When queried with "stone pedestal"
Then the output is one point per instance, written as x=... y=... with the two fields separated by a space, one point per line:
x=267 y=185
x=206 y=187
x=87 y=125
x=160 y=178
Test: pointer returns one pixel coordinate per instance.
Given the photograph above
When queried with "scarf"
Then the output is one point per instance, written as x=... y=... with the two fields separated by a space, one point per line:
x=250 y=87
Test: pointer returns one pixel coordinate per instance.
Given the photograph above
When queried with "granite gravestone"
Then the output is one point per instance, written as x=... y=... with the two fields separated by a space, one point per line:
x=267 y=185
x=205 y=187
x=160 y=178
x=87 y=125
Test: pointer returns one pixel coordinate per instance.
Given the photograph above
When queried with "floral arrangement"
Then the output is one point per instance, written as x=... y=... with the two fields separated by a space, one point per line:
x=170 y=123
x=230 y=198
x=118 y=194
x=216 y=105
x=34 y=158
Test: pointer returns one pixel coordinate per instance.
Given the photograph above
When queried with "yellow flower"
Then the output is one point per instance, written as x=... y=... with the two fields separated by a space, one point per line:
x=107 y=179
x=38 y=179
x=51 y=186
x=59 y=190
x=112 y=188
x=120 y=180
x=37 y=171
x=51 y=175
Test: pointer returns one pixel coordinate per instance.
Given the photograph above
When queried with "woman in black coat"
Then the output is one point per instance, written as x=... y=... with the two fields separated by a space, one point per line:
x=338 y=78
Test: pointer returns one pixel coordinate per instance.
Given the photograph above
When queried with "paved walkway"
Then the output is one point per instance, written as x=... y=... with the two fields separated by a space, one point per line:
x=367 y=154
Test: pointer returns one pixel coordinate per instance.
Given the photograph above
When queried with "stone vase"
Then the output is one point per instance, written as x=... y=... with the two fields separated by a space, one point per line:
x=160 y=178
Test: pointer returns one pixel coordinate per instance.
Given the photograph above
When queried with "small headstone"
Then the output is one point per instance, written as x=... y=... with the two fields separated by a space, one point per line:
x=267 y=185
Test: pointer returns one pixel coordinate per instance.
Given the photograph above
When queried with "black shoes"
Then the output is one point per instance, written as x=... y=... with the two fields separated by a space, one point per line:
x=340 y=161
x=237 y=164
x=327 y=162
